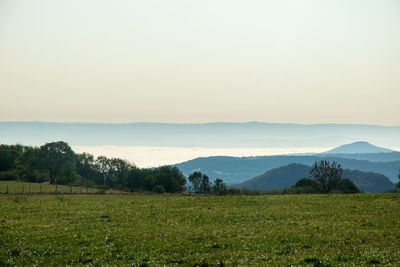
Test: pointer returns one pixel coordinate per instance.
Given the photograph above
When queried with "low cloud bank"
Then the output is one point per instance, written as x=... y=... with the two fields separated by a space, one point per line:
x=153 y=156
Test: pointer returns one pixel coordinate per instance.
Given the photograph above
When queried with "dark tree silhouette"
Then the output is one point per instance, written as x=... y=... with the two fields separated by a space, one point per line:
x=8 y=155
x=326 y=174
x=201 y=183
x=195 y=178
x=219 y=187
x=57 y=158
x=104 y=167
x=205 y=186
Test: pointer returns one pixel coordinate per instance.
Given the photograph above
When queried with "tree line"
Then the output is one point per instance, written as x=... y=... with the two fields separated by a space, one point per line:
x=57 y=163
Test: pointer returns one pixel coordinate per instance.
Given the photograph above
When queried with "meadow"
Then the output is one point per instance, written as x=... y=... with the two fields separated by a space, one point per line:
x=151 y=230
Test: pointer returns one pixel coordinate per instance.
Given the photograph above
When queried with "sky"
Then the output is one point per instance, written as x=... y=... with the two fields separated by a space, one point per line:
x=309 y=61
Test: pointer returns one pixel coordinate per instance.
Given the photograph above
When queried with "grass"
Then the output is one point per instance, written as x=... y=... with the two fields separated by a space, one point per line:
x=141 y=230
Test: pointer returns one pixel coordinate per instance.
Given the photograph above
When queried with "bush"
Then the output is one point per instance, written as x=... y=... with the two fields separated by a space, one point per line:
x=348 y=187
x=159 y=189
x=305 y=182
x=233 y=191
x=9 y=176
x=306 y=186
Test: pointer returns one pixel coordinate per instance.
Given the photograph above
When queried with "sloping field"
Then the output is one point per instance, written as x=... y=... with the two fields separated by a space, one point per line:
x=169 y=229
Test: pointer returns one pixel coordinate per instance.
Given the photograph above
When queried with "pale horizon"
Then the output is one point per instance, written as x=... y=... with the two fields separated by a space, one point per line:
x=193 y=123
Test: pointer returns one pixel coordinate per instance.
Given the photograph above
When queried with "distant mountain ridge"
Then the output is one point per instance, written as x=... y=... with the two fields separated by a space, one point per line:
x=374 y=157
x=234 y=170
x=224 y=134
x=288 y=175
x=360 y=147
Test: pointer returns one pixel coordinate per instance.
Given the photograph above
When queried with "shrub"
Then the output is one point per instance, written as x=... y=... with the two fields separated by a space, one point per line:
x=159 y=189
x=306 y=186
x=348 y=187
x=233 y=191
x=306 y=182
x=9 y=176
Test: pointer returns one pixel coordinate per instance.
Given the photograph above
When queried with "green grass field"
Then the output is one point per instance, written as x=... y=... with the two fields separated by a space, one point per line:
x=153 y=230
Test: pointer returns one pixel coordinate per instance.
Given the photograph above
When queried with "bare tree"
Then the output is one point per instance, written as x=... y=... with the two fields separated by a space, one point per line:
x=326 y=174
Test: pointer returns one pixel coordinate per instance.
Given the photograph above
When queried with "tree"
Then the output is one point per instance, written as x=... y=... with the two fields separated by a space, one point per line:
x=29 y=166
x=170 y=178
x=8 y=155
x=201 y=183
x=205 y=186
x=195 y=178
x=326 y=174
x=398 y=183
x=120 y=172
x=219 y=187
x=136 y=177
x=103 y=166
x=58 y=159
x=84 y=166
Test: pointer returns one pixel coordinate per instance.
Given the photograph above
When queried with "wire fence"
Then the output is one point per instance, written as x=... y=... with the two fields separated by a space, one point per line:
x=12 y=187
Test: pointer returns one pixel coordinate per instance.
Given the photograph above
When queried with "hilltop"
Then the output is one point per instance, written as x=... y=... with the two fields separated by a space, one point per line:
x=288 y=175
x=358 y=148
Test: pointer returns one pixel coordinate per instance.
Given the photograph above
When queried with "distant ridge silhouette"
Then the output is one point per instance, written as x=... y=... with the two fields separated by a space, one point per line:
x=223 y=134
x=358 y=147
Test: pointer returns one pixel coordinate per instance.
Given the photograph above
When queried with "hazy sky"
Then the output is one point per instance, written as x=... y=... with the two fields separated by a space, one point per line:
x=199 y=61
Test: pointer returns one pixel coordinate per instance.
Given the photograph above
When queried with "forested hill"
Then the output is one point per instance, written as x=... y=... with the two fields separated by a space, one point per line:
x=288 y=175
x=234 y=170
x=377 y=157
